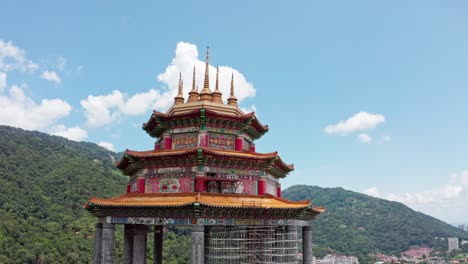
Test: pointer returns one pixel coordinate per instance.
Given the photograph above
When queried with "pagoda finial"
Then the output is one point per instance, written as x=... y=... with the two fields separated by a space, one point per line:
x=217 y=95
x=179 y=99
x=193 y=94
x=205 y=94
x=232 y=100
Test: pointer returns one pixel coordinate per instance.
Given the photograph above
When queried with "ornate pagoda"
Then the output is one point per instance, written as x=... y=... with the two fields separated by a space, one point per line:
x=204 y=173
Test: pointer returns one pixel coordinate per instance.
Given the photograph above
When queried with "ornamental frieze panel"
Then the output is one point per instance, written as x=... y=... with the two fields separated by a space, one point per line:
x=170 y=221
x=185 y=140
x=231 y=173
x=223 y=130
x=221 y=141
x=174 y=172
x=184 y=130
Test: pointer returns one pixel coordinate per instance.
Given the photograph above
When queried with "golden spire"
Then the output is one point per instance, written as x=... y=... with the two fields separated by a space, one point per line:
x=232 y=100
x=205 y=94
x=217 y=95
x=193 y=94
x=179 y=99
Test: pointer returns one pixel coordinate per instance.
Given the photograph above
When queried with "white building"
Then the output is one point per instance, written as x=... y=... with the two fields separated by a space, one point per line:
x=337 y=259
x=452 y=244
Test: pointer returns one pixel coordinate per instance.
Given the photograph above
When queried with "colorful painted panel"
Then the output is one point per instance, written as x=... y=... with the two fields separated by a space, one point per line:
x=245 y=186
x=246 y=145
x=271 y=187
x=221 y=141
x=162 y=185
x=186 y=140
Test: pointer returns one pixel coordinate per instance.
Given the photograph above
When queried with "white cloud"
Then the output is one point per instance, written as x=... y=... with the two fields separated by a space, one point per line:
x=364 y=138
x=14 y=58
x=73 y=133
x=359 y=122
x=446 y=202
x=61 y=63
x=186 y=57
x=20 y=110
x=51 y=76
x=372 y=191
x=104 y=109
x=3 y=81
x=386 y=138
x=107 y=145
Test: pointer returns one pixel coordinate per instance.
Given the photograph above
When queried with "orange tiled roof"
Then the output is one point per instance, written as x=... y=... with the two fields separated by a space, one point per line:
x=174 y=152
x=207 y=199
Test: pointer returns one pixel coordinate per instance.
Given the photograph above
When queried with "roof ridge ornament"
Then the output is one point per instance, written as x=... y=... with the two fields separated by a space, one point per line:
x=179 y=99
x=205 y=94
x=217 y=95
x=232 y=100
x=193 y=94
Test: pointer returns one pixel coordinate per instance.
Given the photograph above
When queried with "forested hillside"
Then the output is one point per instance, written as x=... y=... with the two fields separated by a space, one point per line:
x=358 y=224
x=44 y=181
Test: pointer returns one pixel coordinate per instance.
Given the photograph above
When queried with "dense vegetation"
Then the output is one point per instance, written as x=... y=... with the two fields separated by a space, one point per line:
x=357 y=224
x=44 y=181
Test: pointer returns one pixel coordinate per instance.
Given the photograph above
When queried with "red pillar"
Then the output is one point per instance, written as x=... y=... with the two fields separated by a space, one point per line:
x=156 y=145
x=203 y=139
x=129 y=188
x=252 y=147
x=200 y=184
x=261 y=186
x=239 y=143
x=167 y=142
x=278 y=190
x=141 y=185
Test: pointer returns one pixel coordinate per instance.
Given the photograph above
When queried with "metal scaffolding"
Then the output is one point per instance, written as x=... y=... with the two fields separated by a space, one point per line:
x=251 y=244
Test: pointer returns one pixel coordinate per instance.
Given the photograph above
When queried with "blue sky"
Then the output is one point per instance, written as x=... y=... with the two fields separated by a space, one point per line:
x=393 y=72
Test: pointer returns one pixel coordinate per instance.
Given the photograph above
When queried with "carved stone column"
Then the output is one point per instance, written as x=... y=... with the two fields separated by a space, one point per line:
x=128 y=244
x=198 y=248
x=158 y=244
x=139 y=244
x=307 y=245
x=107 y=248
x=97 y=243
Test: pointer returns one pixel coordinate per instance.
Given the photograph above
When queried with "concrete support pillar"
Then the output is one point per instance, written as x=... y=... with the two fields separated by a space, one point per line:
x=198 y=248
x=139 y=244
x=128 y=244
x=307 y=245
x=97 y=243
x=107 y=247
x=158 y=245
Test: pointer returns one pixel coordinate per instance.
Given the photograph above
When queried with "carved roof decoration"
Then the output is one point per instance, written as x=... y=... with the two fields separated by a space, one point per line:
x=133 y=161
x=160 y=122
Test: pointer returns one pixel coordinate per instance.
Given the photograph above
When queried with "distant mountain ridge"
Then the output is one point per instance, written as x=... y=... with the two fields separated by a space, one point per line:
x=358 y=224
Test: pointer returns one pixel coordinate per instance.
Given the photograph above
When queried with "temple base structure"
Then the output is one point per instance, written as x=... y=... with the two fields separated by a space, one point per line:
x=214 y=244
